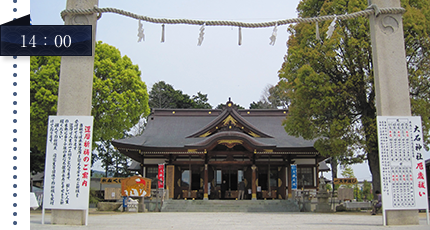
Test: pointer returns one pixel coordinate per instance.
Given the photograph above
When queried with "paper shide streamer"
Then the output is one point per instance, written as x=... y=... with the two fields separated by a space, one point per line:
x=201 y=34
x=140 y=33
x=274 y=34
x=162 y=34
x=331 y=28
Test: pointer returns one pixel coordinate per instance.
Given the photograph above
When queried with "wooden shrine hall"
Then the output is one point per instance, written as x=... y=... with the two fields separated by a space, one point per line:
x=207 y=152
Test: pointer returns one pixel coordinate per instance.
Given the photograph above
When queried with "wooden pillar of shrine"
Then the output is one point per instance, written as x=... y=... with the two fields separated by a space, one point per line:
x=282 y=188
x=254 y=185
x=290 y=191
x=317 y=184
x=142 y=164
x=170 y=180
x=205 y=184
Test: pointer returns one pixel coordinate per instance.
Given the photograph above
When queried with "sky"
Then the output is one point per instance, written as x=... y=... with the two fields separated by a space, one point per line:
x=219 y=67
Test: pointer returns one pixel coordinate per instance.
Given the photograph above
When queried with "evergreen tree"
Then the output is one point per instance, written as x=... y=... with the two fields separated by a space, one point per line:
x=330 y=81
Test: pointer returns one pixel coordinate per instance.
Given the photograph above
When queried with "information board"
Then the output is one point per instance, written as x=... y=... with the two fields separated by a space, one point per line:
x=403 y=173
x=68 y=162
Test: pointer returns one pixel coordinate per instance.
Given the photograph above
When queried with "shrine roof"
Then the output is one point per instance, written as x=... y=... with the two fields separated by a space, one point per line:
x=182 y=128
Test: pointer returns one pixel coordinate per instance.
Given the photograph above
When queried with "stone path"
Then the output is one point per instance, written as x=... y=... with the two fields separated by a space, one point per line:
x=224 y=221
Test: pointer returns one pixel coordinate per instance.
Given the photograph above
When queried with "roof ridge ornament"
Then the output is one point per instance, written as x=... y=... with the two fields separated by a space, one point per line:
x=229 y=120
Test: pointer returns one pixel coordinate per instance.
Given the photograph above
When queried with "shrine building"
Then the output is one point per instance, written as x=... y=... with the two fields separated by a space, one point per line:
x=207 y=152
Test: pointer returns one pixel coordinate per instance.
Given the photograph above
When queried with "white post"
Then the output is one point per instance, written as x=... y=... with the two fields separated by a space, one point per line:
x=391 y=81
x=75 y=93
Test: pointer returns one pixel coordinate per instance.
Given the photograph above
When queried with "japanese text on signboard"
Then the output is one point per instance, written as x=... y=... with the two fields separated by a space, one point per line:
x=403 y=179
x=68 y=160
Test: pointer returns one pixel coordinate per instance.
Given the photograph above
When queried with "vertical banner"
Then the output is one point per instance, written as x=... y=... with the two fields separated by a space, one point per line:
x=403 y=172
x=68 y=162
x=161 y=176
x=294 y=177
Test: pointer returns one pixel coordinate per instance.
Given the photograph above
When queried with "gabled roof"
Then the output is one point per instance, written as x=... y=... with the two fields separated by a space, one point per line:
x=182 y=130
x=229 y=119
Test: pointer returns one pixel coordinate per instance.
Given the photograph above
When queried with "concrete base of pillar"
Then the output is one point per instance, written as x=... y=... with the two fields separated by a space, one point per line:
x=68 y=217
x=141 y=206
x=402 y=217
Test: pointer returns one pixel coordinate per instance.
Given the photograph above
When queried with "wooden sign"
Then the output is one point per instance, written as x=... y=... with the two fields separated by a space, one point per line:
x=136 y=186
x=345 y=181
x=111 y=180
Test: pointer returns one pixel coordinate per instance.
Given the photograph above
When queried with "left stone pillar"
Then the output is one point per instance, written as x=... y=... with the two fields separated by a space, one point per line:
x=76 y=72
x=75 y=92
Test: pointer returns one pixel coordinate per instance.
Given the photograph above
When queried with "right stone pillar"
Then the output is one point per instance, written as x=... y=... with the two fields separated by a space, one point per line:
x=391 y=81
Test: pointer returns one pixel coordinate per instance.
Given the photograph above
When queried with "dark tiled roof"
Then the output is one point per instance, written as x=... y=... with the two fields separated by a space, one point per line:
x=171 y=128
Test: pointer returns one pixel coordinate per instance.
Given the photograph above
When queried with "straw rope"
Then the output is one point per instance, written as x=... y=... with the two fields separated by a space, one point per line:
x=373 y=9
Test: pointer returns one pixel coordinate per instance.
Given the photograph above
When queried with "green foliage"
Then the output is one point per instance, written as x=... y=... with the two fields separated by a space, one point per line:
x=120 y=97
x=328 y=187
x=113 y=162
x=201 y=101
x=93 y=199
x=119 y=100
x=44 y=81
x=272 y=98
x=347 y=172
x=261 y=105
x=367 y=191
x=330 y=81
x=163 y=95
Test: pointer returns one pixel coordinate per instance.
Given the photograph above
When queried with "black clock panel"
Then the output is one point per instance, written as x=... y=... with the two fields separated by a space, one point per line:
x=45 y=40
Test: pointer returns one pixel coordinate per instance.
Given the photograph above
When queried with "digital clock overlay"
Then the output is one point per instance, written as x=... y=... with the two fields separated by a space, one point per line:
x=46 y=40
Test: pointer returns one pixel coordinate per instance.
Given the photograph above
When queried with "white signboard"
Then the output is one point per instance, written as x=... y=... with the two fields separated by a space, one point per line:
x=403 y=172
x=68 y=162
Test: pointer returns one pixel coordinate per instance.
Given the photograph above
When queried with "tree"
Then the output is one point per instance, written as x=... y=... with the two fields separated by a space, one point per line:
x=163 y=95
x=272 y=97
x=44 y=76
x=112 y=160
x=201 y=101
x=119 y=99
x=330 y=81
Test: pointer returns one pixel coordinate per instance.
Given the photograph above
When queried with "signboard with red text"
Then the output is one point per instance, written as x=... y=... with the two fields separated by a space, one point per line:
x=68 y=162
x=403 y=172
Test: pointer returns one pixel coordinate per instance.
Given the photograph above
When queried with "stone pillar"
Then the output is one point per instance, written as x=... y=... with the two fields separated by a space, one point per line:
x=76 y=81
x=254 y=186
x=75 y=93
x=391 y=80
x=389 y=61
x=205 y=184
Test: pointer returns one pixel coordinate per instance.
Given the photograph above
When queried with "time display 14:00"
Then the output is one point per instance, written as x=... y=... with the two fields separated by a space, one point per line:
x=66 y=40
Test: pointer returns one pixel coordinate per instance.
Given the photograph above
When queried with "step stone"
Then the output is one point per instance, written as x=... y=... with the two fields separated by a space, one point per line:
x=229 y=206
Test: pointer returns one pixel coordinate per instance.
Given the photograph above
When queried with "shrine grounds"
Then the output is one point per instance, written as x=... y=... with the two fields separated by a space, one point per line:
x=224 y=220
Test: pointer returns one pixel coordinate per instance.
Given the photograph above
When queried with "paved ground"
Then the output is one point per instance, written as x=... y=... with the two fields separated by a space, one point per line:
x=224 y=221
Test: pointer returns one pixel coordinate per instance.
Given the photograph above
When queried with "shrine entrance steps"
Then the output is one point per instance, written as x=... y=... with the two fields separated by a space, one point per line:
x=230 y=206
